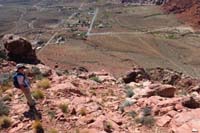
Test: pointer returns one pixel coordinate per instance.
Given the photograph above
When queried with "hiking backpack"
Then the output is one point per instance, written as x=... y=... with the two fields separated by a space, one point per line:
x=15 y=81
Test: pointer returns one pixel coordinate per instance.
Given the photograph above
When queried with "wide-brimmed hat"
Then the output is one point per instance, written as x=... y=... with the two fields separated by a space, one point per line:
x=19 y=66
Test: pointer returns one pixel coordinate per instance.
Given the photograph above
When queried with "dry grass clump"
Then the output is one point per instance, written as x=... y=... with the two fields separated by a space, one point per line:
x=53 y=131
x=83 y=111
x=64 y=107
x=37 y=127
x=4 y=110
x=44 y=83
x=38 y=94
x=5 y=122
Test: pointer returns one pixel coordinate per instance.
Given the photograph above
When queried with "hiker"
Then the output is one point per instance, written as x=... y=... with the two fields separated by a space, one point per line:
x=21 y=82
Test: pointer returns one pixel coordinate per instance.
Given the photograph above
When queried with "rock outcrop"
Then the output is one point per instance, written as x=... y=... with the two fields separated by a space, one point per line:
x=99 y=102
x=187 y=10
x=19 y=49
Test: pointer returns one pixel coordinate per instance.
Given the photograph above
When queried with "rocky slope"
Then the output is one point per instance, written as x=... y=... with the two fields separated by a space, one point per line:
x=187 y=10
x=155 y=100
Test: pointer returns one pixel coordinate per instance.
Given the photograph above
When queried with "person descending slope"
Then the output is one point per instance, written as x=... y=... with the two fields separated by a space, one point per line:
x=21 y=82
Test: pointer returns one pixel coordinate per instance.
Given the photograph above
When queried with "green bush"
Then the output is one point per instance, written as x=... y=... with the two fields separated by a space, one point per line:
x=96 y=79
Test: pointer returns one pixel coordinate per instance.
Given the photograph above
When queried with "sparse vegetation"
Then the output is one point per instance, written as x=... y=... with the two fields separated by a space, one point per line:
x=51 y=114
x=38 y=94
x=6 y=85
x=83 y=111
x=146 y=120
x=36 y=71
x=129 y=92
x=133 y=114
x=53 y=130
x=37 y=126
x=6 y=98
x=146 y=111
x=96 y=79
x=5 y=122
x=126 y=103
x=4 y=110
x=107 y=126
x=44 y=83
x=93 y=92
x=171 y=36
x=64 y=107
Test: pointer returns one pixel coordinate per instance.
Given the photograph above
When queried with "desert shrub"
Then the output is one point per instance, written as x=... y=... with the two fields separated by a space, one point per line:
x=126 y=103
x=93 y=92
x=96 y=79
x=37 y=127
x=44 y=83
x=38 y=94
x=171 y=36
x=51 y=114
x=83 y=111
x=146 y=120
x=53 y=130
x=4 y=110
x=5 y=122
x=133 y=114
x=5 y=81
x=129 y=92
x=64 y=107
x=107 y=126
x=6 y=98
x=146 y=111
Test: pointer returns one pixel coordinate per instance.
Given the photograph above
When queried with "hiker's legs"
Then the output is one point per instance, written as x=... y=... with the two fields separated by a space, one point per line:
x=28 y=96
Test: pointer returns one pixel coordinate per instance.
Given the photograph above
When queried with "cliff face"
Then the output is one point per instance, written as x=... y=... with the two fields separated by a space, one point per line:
x=187 y=10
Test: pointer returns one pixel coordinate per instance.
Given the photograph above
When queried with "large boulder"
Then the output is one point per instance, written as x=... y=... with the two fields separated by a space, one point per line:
x=19 y=49
x=135 y=75
x=162 y=90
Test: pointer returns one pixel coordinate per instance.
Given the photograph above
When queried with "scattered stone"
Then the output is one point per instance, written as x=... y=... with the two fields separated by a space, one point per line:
x=163 y=121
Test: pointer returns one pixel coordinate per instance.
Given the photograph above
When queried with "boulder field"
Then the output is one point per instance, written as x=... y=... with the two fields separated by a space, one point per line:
x=154 y=100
